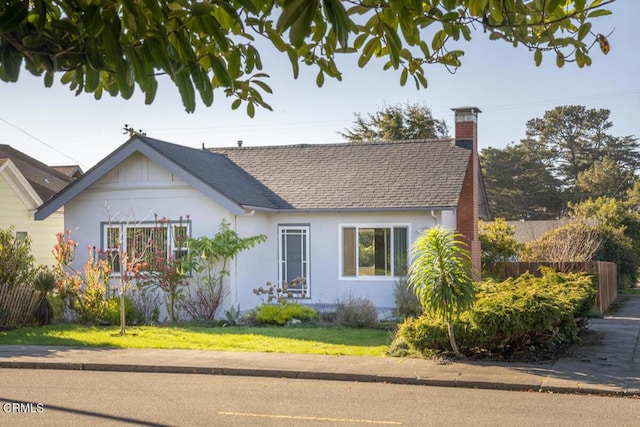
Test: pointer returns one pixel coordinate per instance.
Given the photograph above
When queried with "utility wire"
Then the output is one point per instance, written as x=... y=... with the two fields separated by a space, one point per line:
x=41 y=141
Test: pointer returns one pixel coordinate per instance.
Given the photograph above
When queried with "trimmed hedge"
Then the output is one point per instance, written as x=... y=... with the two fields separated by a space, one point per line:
x=512 y=314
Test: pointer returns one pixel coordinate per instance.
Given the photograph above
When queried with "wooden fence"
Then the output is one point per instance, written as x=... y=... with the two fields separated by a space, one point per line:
x=607 y=276
x=17 y=305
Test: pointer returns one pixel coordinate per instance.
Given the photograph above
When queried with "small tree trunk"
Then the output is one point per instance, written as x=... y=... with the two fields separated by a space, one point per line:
x=452 y=340
x=171 y=309
x=123 y=320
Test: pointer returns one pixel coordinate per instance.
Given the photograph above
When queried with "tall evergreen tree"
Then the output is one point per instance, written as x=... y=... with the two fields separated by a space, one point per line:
x=397 y=122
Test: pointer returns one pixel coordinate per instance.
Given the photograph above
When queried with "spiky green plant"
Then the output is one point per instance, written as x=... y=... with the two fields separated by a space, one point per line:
x=441 y=276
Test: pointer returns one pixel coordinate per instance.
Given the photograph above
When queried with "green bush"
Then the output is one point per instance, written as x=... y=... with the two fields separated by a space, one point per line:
x=281 y=314
x=356 y=313
x=112 y=313
x=16 y=261
x=510 y=315
x=57 y=304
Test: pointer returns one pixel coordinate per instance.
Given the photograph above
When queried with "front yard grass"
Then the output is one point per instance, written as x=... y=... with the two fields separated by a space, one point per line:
x=302 y=340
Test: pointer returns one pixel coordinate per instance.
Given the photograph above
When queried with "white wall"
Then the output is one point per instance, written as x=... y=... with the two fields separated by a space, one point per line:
x=260 y=265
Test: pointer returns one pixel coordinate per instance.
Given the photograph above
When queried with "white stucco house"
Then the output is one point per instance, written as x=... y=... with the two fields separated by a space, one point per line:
x=342 y=216
x=25 y=183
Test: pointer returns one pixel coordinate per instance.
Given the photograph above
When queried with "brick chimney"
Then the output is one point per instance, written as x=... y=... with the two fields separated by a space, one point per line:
x=466 y=136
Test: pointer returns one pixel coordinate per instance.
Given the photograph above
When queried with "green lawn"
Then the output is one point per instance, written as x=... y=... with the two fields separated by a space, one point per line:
x=303 y=340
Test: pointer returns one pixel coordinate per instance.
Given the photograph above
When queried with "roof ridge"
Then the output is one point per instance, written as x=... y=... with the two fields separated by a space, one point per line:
x=334 y=144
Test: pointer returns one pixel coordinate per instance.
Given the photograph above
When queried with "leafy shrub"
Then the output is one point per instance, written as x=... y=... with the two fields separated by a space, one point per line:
x=407 y=303
x=512 y=314
x=56 y=301
x=44 y=282
x=16 y=261
x=499 y=246
x=281 y=314
x=356 y=313
x=112 y=313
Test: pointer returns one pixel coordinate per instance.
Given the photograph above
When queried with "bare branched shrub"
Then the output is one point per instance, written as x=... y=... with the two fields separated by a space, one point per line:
x=356 y=313
x=202 y=302
x=571 y=243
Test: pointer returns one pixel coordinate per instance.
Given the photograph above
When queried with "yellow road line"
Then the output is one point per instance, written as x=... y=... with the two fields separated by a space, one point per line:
x=298 y=417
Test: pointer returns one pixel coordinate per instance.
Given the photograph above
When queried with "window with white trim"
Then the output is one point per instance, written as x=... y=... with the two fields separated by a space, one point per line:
x=139 y=241
x=374 y=251
x=293 y=259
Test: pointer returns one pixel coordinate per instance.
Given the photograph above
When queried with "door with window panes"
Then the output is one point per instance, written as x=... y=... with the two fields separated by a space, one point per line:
x=293 y=256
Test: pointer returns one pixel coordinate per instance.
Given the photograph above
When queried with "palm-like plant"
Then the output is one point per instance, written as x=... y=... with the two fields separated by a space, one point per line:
x=441 y=276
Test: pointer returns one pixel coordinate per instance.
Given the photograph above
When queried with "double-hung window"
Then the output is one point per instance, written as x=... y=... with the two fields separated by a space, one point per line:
x=140 y=242
x=374 y=250
x=293 y=257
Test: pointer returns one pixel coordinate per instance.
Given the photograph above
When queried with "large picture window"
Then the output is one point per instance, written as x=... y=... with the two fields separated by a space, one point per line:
x=293 y=255
x=374 y=251
x=141 y=241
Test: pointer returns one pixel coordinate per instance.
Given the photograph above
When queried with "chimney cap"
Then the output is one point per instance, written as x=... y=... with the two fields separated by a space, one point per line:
x=467 y=110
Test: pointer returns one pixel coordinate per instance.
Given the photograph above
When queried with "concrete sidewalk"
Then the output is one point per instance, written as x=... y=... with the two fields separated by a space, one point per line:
x=606 y=362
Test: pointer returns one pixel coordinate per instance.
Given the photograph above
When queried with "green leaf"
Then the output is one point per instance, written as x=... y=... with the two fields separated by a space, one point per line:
x=337 y=16
x=251 y=109
x=598 y=12
x=236 y=103
x=187 y=93
x=293 y=58
x=403 y=76
x=584 y=30
x=220 y=70
x=559 y=59
x=10 y=62
x=372 y=46
x=320 y=79
x=537 y=57
x=13 y=15
x=393 y=44
x=301 y=27
x=495 y=7
x=477 y=7
x=439 y=40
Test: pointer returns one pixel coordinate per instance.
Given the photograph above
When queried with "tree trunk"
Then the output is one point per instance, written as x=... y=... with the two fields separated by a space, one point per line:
x=123 y=320
x=171 y=308
x=452 y=340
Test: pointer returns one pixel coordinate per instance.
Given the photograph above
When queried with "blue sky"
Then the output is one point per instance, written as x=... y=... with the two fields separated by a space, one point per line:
x=57 y=127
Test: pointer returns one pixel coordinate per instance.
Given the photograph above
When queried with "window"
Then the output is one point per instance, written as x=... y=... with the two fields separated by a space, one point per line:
x=21 y=236
x=139 y=241
x=374 y=251
x=293 y=256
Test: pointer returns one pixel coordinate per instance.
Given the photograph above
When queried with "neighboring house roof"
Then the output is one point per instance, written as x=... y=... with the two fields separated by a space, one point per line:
x=527 y=231
x=72 y=171
x=382 y=175
x=45 y=180
x=375 y=176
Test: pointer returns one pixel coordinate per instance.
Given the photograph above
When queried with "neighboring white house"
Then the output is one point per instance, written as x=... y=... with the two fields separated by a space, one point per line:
x=25 y=183
x=343 y=216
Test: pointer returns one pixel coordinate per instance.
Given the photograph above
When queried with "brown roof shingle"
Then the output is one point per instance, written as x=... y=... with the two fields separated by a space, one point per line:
x=45 y=180
x=382 y=175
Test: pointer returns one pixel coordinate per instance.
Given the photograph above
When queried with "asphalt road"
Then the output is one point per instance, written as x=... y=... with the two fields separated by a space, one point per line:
x=70 y=398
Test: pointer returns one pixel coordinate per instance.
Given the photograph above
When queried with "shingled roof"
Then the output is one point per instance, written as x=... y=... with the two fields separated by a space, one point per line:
x=382 y=175
x=45 y=180
x=219 y=172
